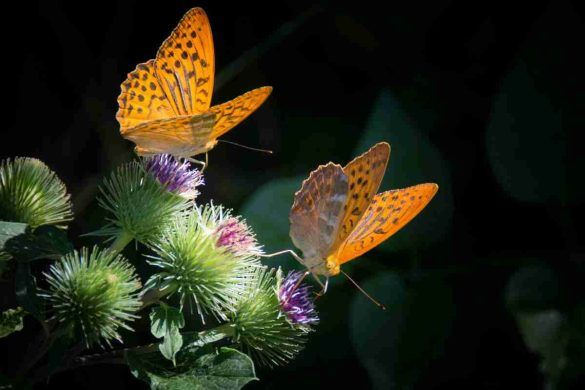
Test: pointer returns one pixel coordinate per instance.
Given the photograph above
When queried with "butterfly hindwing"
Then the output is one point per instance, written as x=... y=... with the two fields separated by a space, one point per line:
x=365 y=174
x=230 y=114
x=185 y=64
x=388 y=212
x=317 y=210
x=180 y=136
x=142 y=98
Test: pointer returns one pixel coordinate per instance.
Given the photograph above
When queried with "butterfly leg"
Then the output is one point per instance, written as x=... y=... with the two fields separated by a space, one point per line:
x=297 y=257
x=323 y=287
x=202 y=163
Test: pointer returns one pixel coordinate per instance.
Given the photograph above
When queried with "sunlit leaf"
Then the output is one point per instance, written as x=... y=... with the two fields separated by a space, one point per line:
x=225 y=369
x=395 y=345
x=166 y=322
x=44 y=242
x=11 y=321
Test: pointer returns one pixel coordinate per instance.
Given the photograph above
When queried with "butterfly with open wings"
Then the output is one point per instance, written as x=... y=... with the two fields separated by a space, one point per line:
x=337 y=215
x=164 y=106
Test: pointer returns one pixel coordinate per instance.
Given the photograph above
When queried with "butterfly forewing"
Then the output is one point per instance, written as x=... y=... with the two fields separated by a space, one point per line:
x=317 y=211
x=142 y=98
x=179 y=136
x=229 y=114
x=388 y=212
x=185 y=64
x=162 y=100
x=365 y=174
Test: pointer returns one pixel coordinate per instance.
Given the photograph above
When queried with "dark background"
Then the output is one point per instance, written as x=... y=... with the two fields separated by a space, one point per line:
x=484 y=288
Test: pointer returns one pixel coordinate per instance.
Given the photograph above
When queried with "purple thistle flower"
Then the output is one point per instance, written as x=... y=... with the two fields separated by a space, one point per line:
x=235 y=235
x=176 y=176
x=295 y=300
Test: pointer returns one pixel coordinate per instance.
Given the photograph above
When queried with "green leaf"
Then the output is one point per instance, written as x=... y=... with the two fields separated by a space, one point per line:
x=396 y=344
x=44 y=242
x=226 y=369
x=546 y=334
x=11 y=321
x=26 y=291
x=166 y=322
x=9 y=230
x=8 y=383
x=4 y=259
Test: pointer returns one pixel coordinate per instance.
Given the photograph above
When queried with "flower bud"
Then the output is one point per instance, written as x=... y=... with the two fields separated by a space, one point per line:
x=206 y=275
x=262 y=327
x=93 y=294
x=140 y=205
x=33 y=194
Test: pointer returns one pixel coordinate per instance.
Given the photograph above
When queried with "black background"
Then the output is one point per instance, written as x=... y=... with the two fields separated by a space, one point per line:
x=495 y=90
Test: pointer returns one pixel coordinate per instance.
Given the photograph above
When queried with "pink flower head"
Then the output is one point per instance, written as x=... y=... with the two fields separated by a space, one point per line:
x=235 y=235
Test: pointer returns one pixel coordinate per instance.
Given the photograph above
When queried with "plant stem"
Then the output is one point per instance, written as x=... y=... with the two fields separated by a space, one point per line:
x=153 y=296
x=118 y=356
x=123 y=239
x=40 y=347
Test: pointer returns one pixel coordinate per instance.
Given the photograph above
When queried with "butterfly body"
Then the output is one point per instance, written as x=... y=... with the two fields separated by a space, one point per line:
x=165 y=103
x=337 y=215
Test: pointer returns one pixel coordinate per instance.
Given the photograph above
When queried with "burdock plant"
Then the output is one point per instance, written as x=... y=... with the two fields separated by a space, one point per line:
x=264 y=323
x=93 y=294
x=33 y=194
x=206 y=287
x=207 y=258
x=145 y=197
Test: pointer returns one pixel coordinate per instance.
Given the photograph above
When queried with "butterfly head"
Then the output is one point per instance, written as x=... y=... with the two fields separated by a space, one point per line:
x=326 y=267
x=210 y=145
x=332 y=265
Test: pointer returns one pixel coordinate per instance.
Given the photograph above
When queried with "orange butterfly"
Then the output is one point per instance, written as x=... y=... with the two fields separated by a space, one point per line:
x=337 y=215
x=164 y=106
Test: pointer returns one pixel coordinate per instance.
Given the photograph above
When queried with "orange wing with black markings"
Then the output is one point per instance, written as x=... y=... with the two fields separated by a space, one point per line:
x=185 y=136
x=388 y=212
x=365 y=174
x=185 y=64
x=161 y=100
x=337 y=216
x=230 y=114
x=142 y=98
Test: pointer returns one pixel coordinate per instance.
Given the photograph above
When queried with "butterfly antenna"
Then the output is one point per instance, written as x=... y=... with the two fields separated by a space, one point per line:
x=364 y=292
x=246 y=147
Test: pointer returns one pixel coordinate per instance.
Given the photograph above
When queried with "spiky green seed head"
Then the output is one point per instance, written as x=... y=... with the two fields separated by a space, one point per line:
x=140 y=205
x=261 y=326
x=33 y=194
x=207 y=276
x=94 y=294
